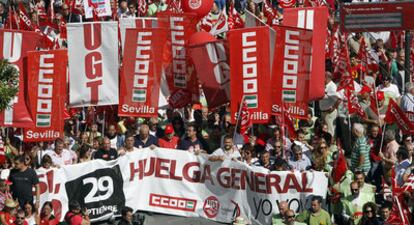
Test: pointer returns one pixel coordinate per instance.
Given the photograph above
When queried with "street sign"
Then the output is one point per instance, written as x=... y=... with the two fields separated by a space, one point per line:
x=385 y=16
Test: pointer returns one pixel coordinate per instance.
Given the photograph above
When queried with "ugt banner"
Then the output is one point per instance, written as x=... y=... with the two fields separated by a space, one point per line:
x=47 y=95
x=312 y=18
x=141 y=73
x=179 y=70
x=250 y=72
x=93 y=63
x=179 y=183
x=211 y=63
x=14 y=46
x=140 y=22
x=291 y=69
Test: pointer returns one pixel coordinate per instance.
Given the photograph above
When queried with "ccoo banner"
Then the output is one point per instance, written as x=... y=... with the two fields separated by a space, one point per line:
x=93 y=63
x=14 y=47
x=140 y=22
x=141 y=72
x=178 y=183
x=47 y=82
x=315 y=19
x=291 y=69
x=179 y=69
x=100 y=8
x=250 y=72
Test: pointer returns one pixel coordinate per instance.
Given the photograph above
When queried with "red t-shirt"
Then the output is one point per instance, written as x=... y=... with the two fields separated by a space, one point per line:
x=164 y=143
x=9 y=218
x=72 y=219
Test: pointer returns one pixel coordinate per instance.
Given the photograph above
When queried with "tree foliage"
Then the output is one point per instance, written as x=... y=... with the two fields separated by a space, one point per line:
x=9 y=83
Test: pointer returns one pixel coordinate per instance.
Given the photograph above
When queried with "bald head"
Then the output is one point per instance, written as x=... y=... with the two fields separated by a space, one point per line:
x=283 y=207
x=144 y=131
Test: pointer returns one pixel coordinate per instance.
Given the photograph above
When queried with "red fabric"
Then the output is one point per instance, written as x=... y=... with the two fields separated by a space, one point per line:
x=289 y=94
x=340 y=167
x=245 y=122
x=8 y=218
x=395 y=114
x=257 y=93
x=164 y=143
x=72 y=219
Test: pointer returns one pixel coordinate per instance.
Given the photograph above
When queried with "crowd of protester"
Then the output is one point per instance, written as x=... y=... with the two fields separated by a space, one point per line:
x=375 y=154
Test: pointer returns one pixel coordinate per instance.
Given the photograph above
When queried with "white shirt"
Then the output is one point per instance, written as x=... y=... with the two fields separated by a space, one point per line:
x=407 y=103
x=390 y=91
x=232 y=154
x=330 y=97
x=114 y=141
x=65 y=158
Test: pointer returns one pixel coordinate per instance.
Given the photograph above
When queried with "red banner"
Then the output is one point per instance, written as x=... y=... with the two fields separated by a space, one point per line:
x=291 y=69
x=179 y=70
x=141 y=73
x=316 y=19
x=47 y=85
x=250 y=75
x=211 y=64
x=14 y=48
x=396 y=115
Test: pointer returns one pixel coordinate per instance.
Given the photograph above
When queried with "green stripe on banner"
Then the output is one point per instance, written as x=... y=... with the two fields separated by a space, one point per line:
x=190 y=205
x=139 y=95
x=43 y=120
x=289 y=95
x=251 y=101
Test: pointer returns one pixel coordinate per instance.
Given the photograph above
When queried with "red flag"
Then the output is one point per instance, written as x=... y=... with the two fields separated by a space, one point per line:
x=179 y=71
x=14 y=48
x=271 y=13
x=140 y=80
x=340 y=167
x=142 y=8
x=25 y=22
x=291 y=69
x=250 y=71
x=313 y=19
x=287 y=3
x=212 y=66
x=353 y=104
x=245 y=122
x=234 y=19
x=396 y=115
x=364 y=54
x=47 y=82
x=174 y=6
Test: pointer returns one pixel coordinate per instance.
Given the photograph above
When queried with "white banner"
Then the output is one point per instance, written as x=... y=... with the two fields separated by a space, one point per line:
x=101 y=7
x=178 y=183
x=139 y=22
x=93 y=63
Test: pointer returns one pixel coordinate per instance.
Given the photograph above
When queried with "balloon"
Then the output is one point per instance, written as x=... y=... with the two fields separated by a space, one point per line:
x=200 y=7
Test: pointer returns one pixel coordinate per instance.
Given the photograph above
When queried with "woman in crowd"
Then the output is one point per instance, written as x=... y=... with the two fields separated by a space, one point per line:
x=30 y=213
x=248 y=154
x=46 y=216
x=369 y=216
x=85 y=153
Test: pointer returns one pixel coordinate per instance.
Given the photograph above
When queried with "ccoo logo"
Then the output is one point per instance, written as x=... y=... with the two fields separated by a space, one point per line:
x=194 y=4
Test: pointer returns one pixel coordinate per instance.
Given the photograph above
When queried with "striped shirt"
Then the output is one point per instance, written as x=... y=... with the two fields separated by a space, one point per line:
x=361 y=148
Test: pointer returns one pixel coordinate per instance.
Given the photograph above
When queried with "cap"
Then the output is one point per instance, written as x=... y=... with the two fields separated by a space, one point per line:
x=380 y=95
x=365 y=89
x=169 y=129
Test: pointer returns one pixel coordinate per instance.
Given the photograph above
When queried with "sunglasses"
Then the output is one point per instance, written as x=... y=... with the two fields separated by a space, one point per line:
x=368 y=211
x=20 y=218
x=278 y=146
x=290 y=216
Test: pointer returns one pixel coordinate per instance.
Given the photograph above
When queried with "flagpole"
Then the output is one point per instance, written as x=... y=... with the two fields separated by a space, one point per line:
x=382 y=136
x=238 y=118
